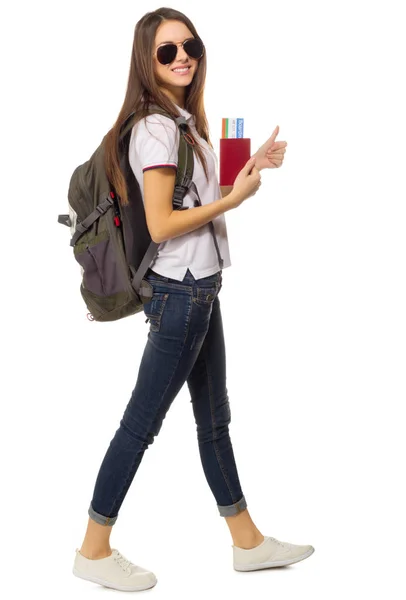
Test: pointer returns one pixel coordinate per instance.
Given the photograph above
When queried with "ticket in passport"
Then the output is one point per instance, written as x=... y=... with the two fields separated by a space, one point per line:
x=232 y=128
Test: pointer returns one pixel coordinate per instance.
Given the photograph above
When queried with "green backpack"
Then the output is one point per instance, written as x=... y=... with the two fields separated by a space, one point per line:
x=111 y=242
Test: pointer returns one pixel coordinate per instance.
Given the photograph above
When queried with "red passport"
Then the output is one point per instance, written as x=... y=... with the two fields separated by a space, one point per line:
x=234 y=153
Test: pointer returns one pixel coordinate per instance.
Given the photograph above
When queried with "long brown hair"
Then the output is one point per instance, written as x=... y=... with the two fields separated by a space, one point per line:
x=143 y=90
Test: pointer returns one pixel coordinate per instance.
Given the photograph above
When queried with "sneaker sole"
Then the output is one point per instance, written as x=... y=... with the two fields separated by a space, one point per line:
x=112 y=585
x=276 y=563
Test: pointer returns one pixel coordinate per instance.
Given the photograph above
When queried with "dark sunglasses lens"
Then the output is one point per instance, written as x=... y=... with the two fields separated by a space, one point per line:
x=194 y=48
x=167 y=53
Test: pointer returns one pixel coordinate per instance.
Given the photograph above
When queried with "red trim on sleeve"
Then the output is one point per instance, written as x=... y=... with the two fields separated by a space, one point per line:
x=156 y=166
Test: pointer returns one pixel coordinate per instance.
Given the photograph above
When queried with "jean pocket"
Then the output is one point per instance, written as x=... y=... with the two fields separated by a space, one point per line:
x=205 y=296
x=154 y=309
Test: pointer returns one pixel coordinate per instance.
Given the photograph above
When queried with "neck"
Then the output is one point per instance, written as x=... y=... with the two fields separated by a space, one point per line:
x=176 y=94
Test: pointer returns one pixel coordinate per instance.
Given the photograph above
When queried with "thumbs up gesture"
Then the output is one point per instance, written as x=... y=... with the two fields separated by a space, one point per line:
x=271 y=154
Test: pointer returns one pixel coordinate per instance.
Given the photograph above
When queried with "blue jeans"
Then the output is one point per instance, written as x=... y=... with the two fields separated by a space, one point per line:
x=185 y=343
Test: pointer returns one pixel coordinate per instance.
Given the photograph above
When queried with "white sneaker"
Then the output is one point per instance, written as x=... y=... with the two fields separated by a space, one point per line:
x=113 y=571
x=270 y=553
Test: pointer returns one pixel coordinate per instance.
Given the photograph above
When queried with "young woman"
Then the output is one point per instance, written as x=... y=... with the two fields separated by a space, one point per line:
x=185 y=339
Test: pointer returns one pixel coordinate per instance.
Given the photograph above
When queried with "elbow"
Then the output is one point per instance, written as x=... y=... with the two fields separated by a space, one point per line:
x=156 y=236
x=159 y=233
x=158 y=228
x=154 y=231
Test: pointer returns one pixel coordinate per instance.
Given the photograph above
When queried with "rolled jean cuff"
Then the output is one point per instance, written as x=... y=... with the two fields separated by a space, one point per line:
x=232 y=509
x=101 y=519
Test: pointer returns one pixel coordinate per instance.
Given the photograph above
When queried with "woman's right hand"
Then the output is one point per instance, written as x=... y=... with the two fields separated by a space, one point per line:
x=246 y=184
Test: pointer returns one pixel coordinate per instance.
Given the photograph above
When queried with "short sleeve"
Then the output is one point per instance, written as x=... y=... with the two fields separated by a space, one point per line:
x=156 y=142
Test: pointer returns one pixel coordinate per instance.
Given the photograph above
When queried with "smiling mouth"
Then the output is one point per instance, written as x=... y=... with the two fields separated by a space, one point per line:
x=181 y=70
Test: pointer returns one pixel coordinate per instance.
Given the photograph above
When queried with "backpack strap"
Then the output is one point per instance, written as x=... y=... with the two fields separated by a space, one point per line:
x=210 y=224
x=182 y=185
x=185 y=159
x=184 y=181
x=82 y=227
x=184 y=174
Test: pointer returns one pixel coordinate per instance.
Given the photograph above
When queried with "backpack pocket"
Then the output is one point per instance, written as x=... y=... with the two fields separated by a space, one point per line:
x=101 y=273
x=110 y=308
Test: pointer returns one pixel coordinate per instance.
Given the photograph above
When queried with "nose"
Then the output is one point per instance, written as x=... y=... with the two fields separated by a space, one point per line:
x=181 y=54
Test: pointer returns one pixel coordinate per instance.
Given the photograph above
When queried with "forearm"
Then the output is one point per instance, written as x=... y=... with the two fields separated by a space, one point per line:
x=184 y=221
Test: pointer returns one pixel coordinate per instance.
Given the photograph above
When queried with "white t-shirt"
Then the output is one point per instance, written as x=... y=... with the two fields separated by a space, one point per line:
x=154 y=143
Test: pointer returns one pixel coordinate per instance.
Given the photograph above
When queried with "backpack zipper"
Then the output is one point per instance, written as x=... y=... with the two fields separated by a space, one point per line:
x=97 y=267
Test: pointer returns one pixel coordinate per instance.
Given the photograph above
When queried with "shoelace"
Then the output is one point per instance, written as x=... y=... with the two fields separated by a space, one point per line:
x=123 y=562
x=277 y=541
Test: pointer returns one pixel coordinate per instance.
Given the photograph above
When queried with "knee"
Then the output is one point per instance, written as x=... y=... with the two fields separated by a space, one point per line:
x=135 y=435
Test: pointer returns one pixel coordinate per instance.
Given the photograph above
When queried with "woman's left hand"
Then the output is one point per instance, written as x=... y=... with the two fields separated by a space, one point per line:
x=271 y=154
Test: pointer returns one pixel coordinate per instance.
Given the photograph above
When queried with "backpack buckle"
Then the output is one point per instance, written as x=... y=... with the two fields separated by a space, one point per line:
x=181 y=123
x=100 y=209
x=103 y=207
x=178 y=195
x=65 y=220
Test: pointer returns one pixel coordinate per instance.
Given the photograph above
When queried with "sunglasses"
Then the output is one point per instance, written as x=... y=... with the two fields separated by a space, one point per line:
x=167 y=53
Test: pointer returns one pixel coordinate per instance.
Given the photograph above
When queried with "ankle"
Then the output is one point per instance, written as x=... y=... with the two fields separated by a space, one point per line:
x=95 y=554
x=249 y=541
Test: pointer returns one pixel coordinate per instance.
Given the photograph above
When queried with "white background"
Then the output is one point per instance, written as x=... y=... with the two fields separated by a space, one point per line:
x=313 y=305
